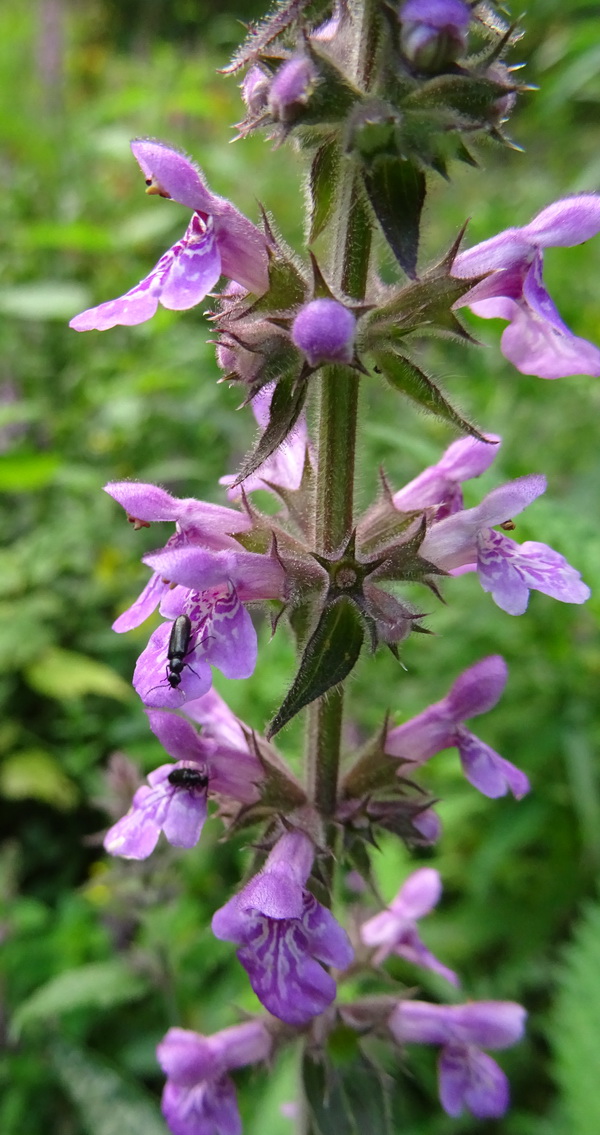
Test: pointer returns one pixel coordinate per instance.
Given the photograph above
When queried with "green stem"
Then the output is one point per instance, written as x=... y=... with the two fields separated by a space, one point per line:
x=346 y=273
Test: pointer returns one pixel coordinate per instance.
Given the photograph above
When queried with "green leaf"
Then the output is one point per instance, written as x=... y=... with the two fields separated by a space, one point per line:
x=330 y=654
x=108 y=1103
x=99 y=985
x=396 y=190
x=576 y=1028
x=37 y=775
x=27 y=472
x=64 y=674
x=365 y=1089
x=323 y=177
x=326 y=1102
x=286 y=406
x=404 y=376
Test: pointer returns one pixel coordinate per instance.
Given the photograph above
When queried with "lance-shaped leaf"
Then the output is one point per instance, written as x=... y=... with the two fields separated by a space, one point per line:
x=406 y=377
x=396 y=190
x=330 y=654
x=286 y=406
x=328 y=1107
x=323 y=179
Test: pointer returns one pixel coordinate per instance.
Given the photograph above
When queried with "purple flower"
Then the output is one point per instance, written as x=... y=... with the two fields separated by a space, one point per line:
x=394 y=930
x=324 y=331
x=218 y=241
x=285 y=467
x=468 y=1078
x=291 y=88
x=440 y=485
x=196 y=522
x=175 y=799
x=536 y=340
x=284 y=933
x=199 y=1096
x=441 y=727
x=466 y=541
x=434 y=32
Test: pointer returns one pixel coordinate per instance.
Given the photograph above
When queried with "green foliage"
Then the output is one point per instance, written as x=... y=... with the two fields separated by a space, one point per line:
x=78 y=411
x=575 y=1027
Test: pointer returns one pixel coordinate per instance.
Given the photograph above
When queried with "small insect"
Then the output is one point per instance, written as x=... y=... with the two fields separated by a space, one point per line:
x=188 y=778
x=179 y=641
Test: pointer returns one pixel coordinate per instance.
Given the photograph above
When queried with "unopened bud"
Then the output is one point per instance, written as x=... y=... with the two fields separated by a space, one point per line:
x=434 y=32
x=255 y=90
x=324 y=331
x=291 y=88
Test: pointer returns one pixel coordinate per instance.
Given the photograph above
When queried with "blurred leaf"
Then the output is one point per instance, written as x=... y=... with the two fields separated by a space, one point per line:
x=575 y=1029
x=396 y=190
x=365 y=1090
x=36 y=774
x=50 y=299
x=322 y=186
x=108 y=1103
x=99 y=985
x=27 y=472
x=65 y=674
x=326 y=1102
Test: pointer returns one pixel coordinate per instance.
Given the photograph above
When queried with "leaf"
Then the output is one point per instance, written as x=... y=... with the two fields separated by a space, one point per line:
x=322 y=187
x=365 y=1090
x=330 y=654
x=37 y=775
x=396 y=190
x=326 y=1102
x=576 y=1028
x=404 y=376
x=64 y=674
x=98 y=985
x=286 y=406
x=108 y=1103
x=27 y=472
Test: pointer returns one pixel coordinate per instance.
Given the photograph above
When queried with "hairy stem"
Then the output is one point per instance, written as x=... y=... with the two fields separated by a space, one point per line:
x=346 y=271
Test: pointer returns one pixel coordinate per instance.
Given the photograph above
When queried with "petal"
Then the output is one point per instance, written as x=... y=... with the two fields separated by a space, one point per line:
x=328 y=941
x=487 y=770
x=232 y=644
x=569 y=221
x=507 y=249
x=470 y=1078
x=150 y=677
x=194 y=269
x=178 y=177
x=136 y=306
x=423 y=736
x=135 y=835
x=413 y=950
x=217 y=720
x=242 y=249
x=185 y=816
x=418 y=895
x=508 y=570
x=286 y=979
x=186 y=1056
x=177 y=736
x=143 y=501
x=535 y=346
x=144 y=605
x=479 y=688
x=547 y=571
x=207 y=1108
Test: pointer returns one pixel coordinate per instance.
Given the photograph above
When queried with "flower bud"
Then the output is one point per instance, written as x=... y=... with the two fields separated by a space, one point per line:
x=434 y=32
x=255 y=90
x=291 y=89
x=324 y=331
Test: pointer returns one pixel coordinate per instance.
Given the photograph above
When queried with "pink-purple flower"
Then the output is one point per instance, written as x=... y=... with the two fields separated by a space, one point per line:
x=440 y=485
x=394 y=930
x=219 y=240
x=468 y=1077
x=537 y=341
x=199 y=1095
x=285 y=936
x=175 y=799
x=324 y=331
x=466 y=541
x=441 y=726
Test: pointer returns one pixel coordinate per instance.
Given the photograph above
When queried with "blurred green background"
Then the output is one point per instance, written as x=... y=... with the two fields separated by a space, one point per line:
x=99 y=958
